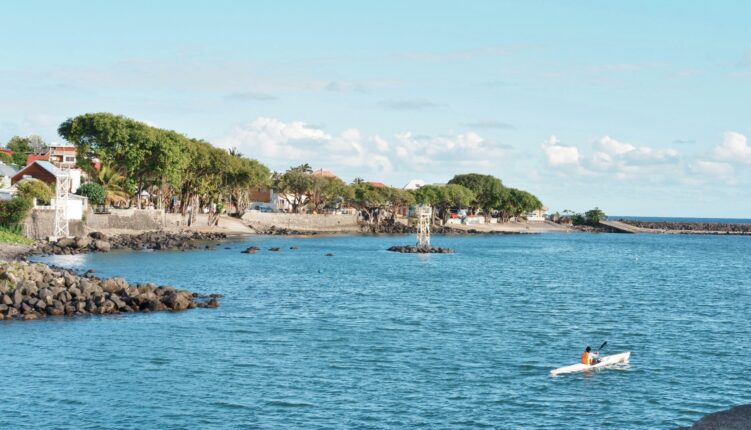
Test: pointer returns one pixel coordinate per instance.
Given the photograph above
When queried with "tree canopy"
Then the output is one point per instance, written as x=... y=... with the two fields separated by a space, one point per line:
x=163 y=161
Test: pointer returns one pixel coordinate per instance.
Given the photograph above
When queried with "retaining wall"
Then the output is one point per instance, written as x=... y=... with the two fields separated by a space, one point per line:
x=126 y=219
x=303 y=222
x=40 y=224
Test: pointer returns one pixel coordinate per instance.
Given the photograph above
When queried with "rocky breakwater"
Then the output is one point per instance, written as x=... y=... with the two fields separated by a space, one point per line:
x=99 y=242
x=691 y=227
x=409 y=249
x=31 y=291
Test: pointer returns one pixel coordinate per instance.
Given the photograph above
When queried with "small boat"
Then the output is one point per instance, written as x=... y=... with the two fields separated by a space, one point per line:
x=608 y=360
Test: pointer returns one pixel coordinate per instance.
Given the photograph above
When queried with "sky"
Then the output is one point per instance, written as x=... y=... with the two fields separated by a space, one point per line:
x=637 y=107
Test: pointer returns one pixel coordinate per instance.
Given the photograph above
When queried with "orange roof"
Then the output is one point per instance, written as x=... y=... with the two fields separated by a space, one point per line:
x=34 y=157
x=324 y=173
x=377 y=184
x=6 y=151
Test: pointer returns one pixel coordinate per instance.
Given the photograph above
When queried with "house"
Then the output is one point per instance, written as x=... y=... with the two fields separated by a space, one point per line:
x=47 y=173
x=62 y=155
x=414 y=184
x=6 y=173
x=376 y=184
x=34 y=157
x=537 y=215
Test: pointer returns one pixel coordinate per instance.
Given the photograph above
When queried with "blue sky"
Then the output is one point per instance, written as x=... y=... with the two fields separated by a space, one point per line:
x=641 y=108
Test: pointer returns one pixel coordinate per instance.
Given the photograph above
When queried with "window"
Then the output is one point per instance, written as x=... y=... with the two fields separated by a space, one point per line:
x=69 y=159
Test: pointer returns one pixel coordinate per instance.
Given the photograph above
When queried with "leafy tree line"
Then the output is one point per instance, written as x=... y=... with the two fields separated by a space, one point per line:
x=305 y=191
x=135 y=157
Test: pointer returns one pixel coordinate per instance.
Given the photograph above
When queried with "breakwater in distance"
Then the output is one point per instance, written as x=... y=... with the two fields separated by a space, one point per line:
x=703 y=227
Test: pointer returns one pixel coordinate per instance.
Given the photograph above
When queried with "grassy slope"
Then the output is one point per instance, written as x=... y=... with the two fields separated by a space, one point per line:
x=13 y=238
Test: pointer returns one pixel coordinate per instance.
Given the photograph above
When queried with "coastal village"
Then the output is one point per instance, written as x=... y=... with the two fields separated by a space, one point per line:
x=89 y=183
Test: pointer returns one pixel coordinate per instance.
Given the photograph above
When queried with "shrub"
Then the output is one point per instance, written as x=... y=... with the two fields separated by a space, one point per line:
x=34 y=188
x=14 y=211
x=94 y=192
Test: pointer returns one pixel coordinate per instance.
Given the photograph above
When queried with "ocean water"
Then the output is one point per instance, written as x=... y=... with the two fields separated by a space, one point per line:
x=369 y=339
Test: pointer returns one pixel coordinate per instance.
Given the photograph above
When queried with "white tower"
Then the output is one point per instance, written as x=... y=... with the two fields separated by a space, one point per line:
x=424 y=215
x=62 y=188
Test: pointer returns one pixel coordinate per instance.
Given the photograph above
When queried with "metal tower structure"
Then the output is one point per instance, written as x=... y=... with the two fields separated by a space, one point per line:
x=424 y=215
x=62 y=189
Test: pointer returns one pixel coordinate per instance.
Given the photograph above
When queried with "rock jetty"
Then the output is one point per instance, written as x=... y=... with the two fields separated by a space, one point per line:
x=409 y=249
x=31 y=291
x=691 y=227
x=99 y=242
x=737 y=418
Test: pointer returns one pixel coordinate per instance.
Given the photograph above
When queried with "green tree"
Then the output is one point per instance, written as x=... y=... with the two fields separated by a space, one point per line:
x=114 y=184
x=94 y=192
x=21 y=149
x=327 y=191
x=487 y=190
x=294 y=186
x=594 y=216
x=34 y=189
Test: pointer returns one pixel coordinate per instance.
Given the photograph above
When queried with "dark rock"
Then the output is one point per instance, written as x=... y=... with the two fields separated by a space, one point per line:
x=250 y=250
x=736 y=418
x=294 y=247
x=409 y=249
x=328 y=254
x=274 y=249
x=65 y=242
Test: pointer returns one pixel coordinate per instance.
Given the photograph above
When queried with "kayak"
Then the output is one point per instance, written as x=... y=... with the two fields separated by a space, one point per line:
x=608 y=360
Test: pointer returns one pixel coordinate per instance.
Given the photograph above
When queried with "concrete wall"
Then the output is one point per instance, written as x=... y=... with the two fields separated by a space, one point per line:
x=302 y=221
x=40 y=224
x=126 y=219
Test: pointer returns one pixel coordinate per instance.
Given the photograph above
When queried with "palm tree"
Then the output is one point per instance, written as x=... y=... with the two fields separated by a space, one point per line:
x=113 y=182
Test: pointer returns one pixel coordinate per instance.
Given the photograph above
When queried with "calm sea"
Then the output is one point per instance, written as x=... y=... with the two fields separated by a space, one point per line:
x=377 y=340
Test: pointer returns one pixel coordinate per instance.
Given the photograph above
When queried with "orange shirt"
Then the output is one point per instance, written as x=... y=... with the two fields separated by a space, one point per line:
x=585 y=358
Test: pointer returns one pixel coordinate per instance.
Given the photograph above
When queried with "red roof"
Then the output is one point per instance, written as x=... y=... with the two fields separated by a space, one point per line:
x=34 y=157
x=377 y=184
x=6 y=151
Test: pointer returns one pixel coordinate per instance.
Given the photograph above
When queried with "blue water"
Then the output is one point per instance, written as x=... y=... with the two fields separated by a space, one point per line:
x=372 y=339
x=684 y=219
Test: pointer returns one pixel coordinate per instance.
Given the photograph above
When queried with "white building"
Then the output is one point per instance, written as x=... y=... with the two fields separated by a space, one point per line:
x=414 y=184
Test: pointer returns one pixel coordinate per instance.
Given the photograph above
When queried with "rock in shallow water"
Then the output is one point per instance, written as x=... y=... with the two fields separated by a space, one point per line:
x=60 y=292
x=409 y=249
x=737 y=418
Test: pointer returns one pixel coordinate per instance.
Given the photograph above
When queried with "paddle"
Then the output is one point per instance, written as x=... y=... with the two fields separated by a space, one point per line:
x=604 y=344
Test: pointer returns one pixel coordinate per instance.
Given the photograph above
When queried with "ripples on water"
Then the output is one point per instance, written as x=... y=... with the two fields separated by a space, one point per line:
x=372 y=339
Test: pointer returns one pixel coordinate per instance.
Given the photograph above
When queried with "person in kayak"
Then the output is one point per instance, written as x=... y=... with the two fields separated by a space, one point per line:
x=588 y=357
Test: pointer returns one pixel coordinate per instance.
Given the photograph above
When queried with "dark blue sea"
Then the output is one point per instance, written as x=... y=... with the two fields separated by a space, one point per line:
x=368 y=339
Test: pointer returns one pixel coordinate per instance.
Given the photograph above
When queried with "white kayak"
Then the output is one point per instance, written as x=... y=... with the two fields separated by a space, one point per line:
x=608 y=360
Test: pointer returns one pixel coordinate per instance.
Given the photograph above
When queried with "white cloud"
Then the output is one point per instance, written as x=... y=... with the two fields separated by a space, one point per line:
x=352 y=153
x=560 y=155
x=734 y=148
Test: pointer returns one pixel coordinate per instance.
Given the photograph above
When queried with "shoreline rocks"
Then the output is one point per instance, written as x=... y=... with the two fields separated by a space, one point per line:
x=98 y=242
x=32 y=291
x=409 y=249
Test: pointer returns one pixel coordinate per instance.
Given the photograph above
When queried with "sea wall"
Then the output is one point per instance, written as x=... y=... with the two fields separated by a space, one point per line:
x=126 y=219
x=40 y=224
x=302 y=222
